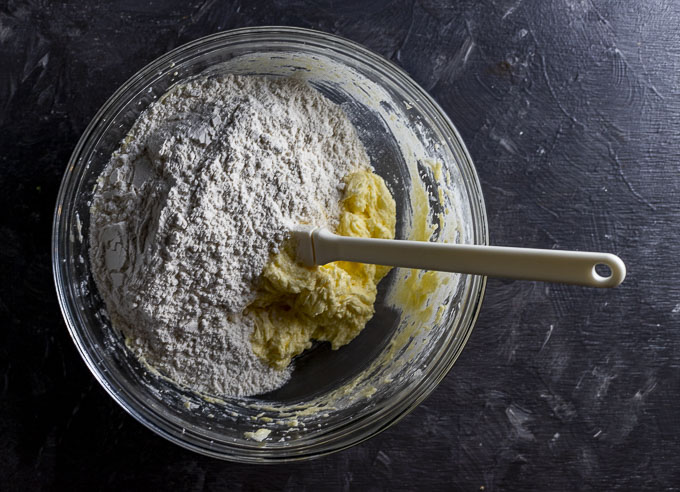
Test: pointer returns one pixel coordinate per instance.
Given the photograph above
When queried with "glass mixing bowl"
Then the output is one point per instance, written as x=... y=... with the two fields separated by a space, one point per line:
x=335 y=398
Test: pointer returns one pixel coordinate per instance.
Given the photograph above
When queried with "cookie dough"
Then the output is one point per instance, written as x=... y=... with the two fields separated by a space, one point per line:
x=297 y=304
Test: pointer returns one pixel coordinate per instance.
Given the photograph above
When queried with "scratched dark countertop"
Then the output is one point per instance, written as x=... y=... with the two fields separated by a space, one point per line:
x=571 y=112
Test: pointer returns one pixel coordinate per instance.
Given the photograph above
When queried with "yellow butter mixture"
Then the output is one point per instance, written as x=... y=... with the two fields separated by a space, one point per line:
x=297 y=304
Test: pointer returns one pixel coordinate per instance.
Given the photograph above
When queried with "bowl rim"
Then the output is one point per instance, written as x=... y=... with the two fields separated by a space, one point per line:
x=75 y=168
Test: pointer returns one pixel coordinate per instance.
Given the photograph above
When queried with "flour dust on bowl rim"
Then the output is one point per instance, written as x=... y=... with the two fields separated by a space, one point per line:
x=422 y=320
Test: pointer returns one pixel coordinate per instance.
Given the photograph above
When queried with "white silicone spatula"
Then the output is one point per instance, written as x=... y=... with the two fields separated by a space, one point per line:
x=318 y=246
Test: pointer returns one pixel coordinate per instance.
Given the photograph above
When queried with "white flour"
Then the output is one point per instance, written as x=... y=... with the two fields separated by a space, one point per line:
x=190 y=208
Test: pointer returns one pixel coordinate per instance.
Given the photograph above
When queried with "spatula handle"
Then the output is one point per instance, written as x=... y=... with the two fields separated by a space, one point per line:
x=571 y=267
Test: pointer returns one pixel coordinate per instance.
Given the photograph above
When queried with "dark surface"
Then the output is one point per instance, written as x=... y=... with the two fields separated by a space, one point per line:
x=571 y=111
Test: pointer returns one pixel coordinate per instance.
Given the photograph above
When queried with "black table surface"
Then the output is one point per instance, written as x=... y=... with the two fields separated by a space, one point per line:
x=570 y=110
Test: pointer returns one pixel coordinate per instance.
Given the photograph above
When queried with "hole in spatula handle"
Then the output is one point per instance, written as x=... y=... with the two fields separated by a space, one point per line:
x=603 y=271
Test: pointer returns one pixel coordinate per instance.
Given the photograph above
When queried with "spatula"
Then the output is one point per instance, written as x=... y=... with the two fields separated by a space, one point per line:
x=318 y=246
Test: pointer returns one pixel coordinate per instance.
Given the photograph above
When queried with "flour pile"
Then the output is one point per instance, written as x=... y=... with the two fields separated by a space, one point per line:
x=191 y=207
